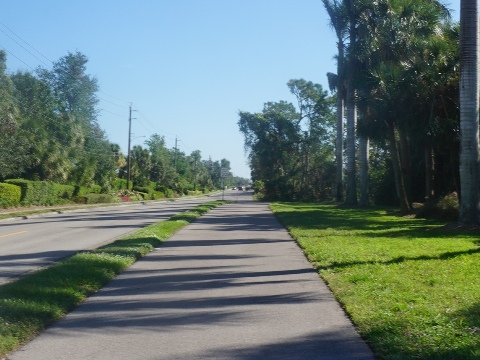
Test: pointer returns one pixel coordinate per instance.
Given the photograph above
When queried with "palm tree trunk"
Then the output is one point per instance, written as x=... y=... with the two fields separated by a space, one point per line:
x=363 y=153
x=339 y=145
x=340 y=119
x=469 y=112
x=395 y=157
x=429 y=174
x=351 y=161
x=406 y=163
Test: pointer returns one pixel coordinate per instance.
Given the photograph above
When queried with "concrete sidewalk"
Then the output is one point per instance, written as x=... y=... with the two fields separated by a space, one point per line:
x=232 y=285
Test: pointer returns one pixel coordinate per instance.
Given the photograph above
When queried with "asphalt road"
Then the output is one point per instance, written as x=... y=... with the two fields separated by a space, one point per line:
x=231 y=285
x=38 y=241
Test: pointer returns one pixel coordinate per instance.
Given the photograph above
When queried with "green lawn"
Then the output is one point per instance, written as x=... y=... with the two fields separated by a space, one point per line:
x=411 y=287
x=32 y=303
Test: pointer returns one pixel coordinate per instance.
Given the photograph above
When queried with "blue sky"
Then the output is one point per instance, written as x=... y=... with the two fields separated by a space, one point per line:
x=187 y=66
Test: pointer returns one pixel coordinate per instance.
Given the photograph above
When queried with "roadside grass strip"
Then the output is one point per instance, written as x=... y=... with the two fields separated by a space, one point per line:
x=31 y=304
x=411 y=286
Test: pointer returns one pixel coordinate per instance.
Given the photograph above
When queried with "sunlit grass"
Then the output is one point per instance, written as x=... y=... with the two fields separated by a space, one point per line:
x=410 y=286
x=29 y=305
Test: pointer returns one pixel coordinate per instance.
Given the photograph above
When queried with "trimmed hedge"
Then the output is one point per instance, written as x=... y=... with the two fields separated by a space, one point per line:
x=48 y=193
x=64 y=191
x=10 y=192
x=97 y=198
x=35 y=192
x=83 y=190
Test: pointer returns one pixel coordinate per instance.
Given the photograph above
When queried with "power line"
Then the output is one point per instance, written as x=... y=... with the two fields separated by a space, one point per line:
x=16 y=42
x=16 y=57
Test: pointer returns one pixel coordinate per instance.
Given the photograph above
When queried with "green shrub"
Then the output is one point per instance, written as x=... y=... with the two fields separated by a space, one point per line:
x=5 y=203
x=97 y=198
x=10 y=192
x=169 y=193
x=258 y=186
x=120 y=184
x=194 y=192
x=158 y=195
x=36 y=192
x=83 y=190
x=64 y=191
x=25 y=188
x=146 y=192
x=96 y=189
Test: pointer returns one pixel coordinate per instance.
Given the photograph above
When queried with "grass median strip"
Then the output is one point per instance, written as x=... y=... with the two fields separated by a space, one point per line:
x=29 y=305
x=411 y=286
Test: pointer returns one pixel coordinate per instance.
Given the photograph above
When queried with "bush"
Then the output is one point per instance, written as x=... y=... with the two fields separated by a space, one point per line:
x=36 y=192
x=10 y=193
x=83 y=190
x=145 y=190
x=5 y=203
x=158 y=195
x=126 y=195
x=121 y=184
x=96 y=189
x=169 y=193
x=97 y=198
x=445 y=209
x=64 y=191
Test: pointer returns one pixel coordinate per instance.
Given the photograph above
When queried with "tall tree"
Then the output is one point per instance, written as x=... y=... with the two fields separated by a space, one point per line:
x=162 y=171
x=354 y=10
x=13 y=146
x=272 y=139
x=393 y=34
x=75 y=92
x=43 y=129
x=339 y=21
x=469 y=112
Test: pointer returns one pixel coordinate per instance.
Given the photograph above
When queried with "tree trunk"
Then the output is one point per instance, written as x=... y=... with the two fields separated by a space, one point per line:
x=339 y=146
x=351 y=162
x=429 y=174
x=399 y=184
x=406 y=164
x=351 y=106
x=363 y=153
x=340 y=119
x=469 y=112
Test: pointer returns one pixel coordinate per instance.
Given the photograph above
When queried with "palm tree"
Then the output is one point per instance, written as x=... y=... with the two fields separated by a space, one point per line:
x=469 y=105
x=338 y=20
x=351 y=101
x=391 y=34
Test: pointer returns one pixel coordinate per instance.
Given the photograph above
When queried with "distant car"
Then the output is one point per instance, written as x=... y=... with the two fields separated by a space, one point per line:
x=240 y=188
x=234 y=188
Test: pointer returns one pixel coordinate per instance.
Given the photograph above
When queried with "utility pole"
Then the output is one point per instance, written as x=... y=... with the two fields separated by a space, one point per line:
x=129 y=139
x=175 y=157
